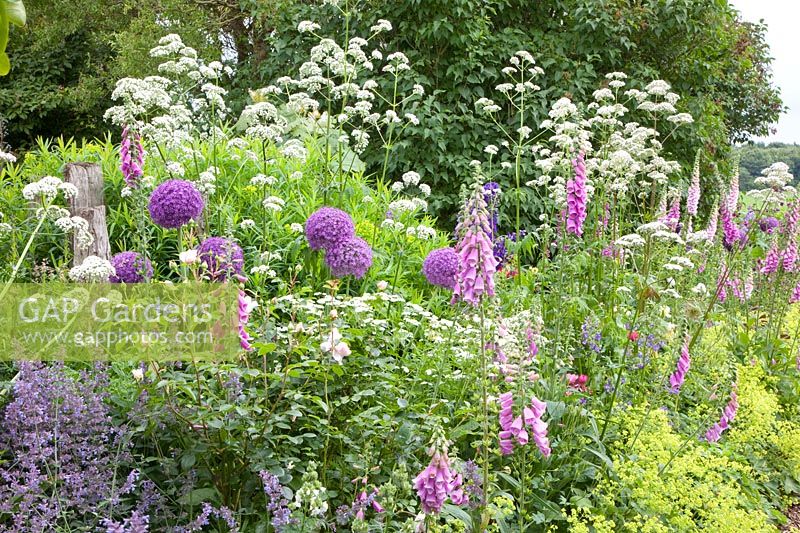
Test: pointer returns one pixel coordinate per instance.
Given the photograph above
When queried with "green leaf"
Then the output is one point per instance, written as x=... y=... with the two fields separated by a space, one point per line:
x=11 y=12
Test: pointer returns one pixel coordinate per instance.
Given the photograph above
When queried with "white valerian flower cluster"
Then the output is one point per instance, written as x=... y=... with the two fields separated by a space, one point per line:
x=7 y=157
x=78 y=225
x=273 y=203
x=5 y=227
x=775 y=177
x=47 y=189
x=421 y=232
x=184 y=100
x=407 y=205
x=621 y=155
x=93 y=270
x=206 y=181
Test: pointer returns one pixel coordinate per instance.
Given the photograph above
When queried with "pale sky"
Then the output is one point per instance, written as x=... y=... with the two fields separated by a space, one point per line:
x=783 y=36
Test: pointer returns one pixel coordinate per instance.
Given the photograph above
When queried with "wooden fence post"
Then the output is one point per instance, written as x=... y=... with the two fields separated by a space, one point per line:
x=89 y=204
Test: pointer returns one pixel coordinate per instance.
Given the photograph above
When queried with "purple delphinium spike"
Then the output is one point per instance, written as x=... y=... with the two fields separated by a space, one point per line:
x=576 y=197
x=679 y=376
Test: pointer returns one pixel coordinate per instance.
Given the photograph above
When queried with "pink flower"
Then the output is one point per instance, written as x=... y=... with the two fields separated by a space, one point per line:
x=713 y=221
x=576 y=197
x=476 y=262
x=728 y=414
x=733 y=193
x=533 y=349
x=132 y=156
x=533 y=418
x=795 y=296
x=772 y=261
x=673 y=218
x=577 y=382
x=790 y=256
x=437 y=482
x=693 y=195
x=731 y=233
x=679 y=376
x=246 y=306
x=792 y=218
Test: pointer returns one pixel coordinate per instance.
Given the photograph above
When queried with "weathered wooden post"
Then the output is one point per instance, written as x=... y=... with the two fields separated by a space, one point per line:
x=90 y=205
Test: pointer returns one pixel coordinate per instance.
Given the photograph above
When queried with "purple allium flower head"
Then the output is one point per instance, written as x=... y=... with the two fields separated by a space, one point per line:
x=476 y=262
x=440 y=267
x=728 y=414
x=327 y=227
x=222 y=257
x=768 y=224
x=679 y=376
x=693 y=194
x=132 y=157
x=130 y=267
x=351 y=257
x=576 y=197
x=174 y=203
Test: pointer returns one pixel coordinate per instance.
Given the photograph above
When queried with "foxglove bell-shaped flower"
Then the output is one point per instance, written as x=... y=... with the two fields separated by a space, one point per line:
x=713 y=222
x=679 y=376
x=576 y=197
x=728 y=414
x=246 y=306
x=693 y=194
x=476 y=262
x=533 y=419
x=772 y=261
x=132 y=157
x=790 y=256
x=437 y=482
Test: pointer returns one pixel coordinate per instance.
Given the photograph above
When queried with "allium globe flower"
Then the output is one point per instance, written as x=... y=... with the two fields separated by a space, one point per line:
x=327 y=227
x=174 y=203
x=130 y=267
x=222 y=257
x=351 y=257
x=440 y=267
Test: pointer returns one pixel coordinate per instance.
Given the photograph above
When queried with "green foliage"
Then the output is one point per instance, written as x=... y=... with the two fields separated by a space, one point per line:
x=11 y=12
x=68 y=57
